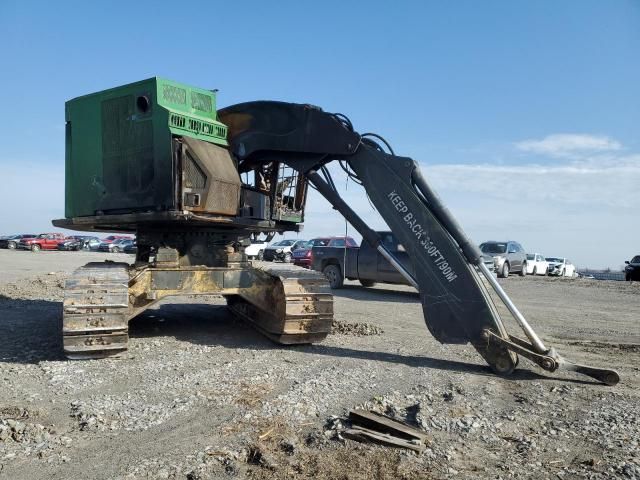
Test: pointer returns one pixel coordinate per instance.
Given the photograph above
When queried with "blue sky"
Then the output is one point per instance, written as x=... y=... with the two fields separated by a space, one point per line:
x=525 y=116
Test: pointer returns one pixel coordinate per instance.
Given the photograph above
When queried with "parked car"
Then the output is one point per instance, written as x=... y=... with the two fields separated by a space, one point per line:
x=536 y=264
x=632 y=269
x=113 y=238
x=92 y=244
x=561 y=267
x=44 y=241
x=363 y=263
x=282 y=250
x=131 y=247
x=77 y=242
x=115 y=246
x=70 y=244
x=508 y=257
x=302 y=256
x=256 y=249
x=11 y=242
x=489 y=263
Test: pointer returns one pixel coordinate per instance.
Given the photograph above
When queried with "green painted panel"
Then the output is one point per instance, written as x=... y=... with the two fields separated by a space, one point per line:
x=118 y=144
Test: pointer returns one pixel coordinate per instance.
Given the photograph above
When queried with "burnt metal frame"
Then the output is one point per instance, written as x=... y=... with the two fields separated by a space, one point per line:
x=456 y=304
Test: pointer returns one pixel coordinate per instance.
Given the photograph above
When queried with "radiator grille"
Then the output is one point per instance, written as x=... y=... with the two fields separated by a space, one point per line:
x=201 y=102
x=194 y=177
x=174 y=94
x=223 y=198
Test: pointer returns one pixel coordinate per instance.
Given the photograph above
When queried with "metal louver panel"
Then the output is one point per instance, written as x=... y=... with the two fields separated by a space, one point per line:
x=209 y=171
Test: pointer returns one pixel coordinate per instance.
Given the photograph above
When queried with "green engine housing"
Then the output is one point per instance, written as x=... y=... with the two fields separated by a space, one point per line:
x=120 y=145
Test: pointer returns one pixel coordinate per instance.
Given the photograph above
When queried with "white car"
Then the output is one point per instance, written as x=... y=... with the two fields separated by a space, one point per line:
x=561 y=267
x=256 y=249
x=282 y=250
x=536 y=264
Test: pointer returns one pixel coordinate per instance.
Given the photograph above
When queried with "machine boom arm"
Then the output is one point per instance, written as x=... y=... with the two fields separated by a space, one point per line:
x=456 y=303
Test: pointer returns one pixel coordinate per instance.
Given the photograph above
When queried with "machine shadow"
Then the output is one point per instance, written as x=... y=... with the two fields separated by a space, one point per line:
x=207 y=325
x=30 y=330
x=31 y=333
x=200 y=324
x=356 y=292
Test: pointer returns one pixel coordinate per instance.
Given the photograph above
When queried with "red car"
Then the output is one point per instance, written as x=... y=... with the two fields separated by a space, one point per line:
x=302 y=256
x=113 y=238
x=44 y=241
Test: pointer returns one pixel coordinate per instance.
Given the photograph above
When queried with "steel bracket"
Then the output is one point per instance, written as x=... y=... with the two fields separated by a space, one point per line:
x=551 y=360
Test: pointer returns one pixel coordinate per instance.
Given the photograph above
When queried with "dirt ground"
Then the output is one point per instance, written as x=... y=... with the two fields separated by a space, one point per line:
x=200 y=395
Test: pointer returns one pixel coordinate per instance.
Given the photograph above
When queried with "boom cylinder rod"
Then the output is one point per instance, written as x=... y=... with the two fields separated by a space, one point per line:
x=352 y=217
x=444 y=216
x=473 y=254
x=528 y=331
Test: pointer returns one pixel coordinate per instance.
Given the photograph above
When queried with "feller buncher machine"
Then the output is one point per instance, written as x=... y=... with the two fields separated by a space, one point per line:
x=195 y=184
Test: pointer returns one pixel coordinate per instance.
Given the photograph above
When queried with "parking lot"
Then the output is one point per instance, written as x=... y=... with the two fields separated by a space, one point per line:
x=201 y=395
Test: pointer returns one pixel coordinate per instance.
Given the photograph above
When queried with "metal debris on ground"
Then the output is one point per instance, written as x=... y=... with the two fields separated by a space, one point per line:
x=367 y=426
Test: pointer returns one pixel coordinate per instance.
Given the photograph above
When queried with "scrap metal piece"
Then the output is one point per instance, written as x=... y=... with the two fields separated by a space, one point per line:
x=374 y=427
x=361 y=434
x=385 y=424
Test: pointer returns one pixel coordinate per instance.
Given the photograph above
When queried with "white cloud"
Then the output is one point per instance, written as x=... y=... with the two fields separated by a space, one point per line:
x=569 y=145
x=607 y=182
x=585 y=210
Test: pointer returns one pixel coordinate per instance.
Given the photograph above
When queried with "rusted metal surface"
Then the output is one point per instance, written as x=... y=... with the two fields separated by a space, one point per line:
x=210 y=179
x=131 y=222
x=296 y=308
x=95 y=308
x=385 y=424
x=362 y=434
x=79 y=347
x=290 y=306
x=374 y=427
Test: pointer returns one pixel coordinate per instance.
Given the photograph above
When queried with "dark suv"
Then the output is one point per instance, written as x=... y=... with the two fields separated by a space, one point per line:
x=12 y=241
x=632 y=269
x=507 y=257
x=302 y=256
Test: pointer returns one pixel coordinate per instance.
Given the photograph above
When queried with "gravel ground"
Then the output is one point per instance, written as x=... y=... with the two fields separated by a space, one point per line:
x=200 y=395
x=24 y=263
